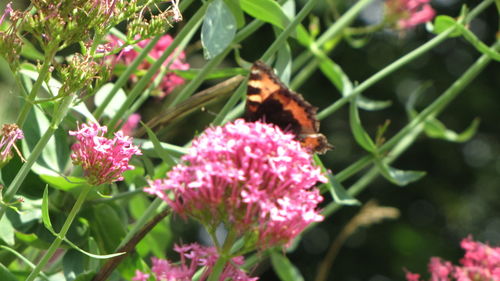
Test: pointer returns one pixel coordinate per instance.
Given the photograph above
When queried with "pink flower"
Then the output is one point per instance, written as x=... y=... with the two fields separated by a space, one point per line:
x=194 y=257
x=131 y=124
x=10 y=134
x=409 y=13
x=139 y=276
x=103 y=160
x=480 y=263
x=250 y=176
x=170 y=80
x=7 y=11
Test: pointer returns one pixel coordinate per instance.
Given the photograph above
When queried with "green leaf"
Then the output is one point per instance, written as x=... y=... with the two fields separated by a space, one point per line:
x=235 y=7
x=72 y=264
x=285 y=270
x=29 y=51
x=215 y=74
x=118 y=99
x=372 y=105
x=335 y=74
x=162 y=153
x=283 y=64
x=31 y=72
x=5 y=274
x=218 y=29
x=63 y=183
x=442 y=23
x=435 y=129
x=45 y=211
x=6 y=231
x=398 y=177
x=55 y=155
x=109 y=229
x=360 y=135
x=265 y=10
x=25 y=260
x=338 y=192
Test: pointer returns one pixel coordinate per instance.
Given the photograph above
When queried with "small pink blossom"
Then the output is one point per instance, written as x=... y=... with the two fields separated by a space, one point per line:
x=192 y=258
x=139 y=276
x=251 y=176
x=170 y=81
x=103 y=160
x=9 y=135
x=7 y=11
x=131 y=124
x=409 y=13
x=481 y=262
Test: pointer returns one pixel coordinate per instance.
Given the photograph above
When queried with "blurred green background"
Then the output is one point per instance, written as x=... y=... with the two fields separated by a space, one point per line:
x=460 y=194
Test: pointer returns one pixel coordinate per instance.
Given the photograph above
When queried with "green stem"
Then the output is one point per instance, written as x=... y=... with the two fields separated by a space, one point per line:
x=405 y=137
x=183 y=36
x=60 y=237
x=60 y=112
x=224 y=256
x=281 y=39
x=149 y=213
x=42 y=75
x=124 y=77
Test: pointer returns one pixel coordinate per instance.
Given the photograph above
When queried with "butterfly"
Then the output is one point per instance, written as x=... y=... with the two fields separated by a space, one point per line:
x=270 y=101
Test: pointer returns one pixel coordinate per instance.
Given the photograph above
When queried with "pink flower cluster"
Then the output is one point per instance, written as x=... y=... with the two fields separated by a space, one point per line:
x=130 y=125
x=10 y=134
x=251 y=176
x=409 y=13
x=480 y=263
x=193 y=257
x=103 y=160
x=171 y=80
x=7 y=11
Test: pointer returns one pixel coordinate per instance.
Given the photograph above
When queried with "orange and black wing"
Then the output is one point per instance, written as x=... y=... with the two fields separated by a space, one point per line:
x=270 y=101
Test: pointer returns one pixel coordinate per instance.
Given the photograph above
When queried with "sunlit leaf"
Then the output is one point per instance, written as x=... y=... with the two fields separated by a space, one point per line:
x=285 y=269
x=218 y=29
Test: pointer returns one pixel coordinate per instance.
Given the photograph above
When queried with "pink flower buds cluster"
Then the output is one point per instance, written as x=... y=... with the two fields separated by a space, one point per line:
x=103 y=160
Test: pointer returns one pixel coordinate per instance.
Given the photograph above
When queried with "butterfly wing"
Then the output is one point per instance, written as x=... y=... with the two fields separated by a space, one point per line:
x=270 y=101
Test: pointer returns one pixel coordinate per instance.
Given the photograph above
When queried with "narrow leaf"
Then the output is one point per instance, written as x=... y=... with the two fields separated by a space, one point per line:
x=372 y=105
x=5 y=274
x=160 y=151
x=398 y=177
x=118 y=99
x=265 y=10
x=360 y=135
x=6 y=231
x=285 y=270
x=235 y=7
x=45 y=210
x=338 y=192
x=218 y=30
x=435 y=129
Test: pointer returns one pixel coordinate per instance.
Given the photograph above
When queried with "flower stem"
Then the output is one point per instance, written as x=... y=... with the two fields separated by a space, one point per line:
x=224 y=256
x=42 y=75
x=60 y=112
x=60 y=237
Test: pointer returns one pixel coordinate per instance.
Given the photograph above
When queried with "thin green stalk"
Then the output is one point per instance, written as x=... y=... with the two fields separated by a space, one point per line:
x=224 y=256
x=402 y=140
x=187 y=32
x=207 y=68
x=399 y=63
x=149 y=213
x=60 y=112
x=124 y=77
x=281 y=39
x=60 y=237
x=385 y=72
x=42 y=75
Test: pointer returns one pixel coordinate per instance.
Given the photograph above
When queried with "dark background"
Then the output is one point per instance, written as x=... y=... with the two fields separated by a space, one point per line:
x=460 y=193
